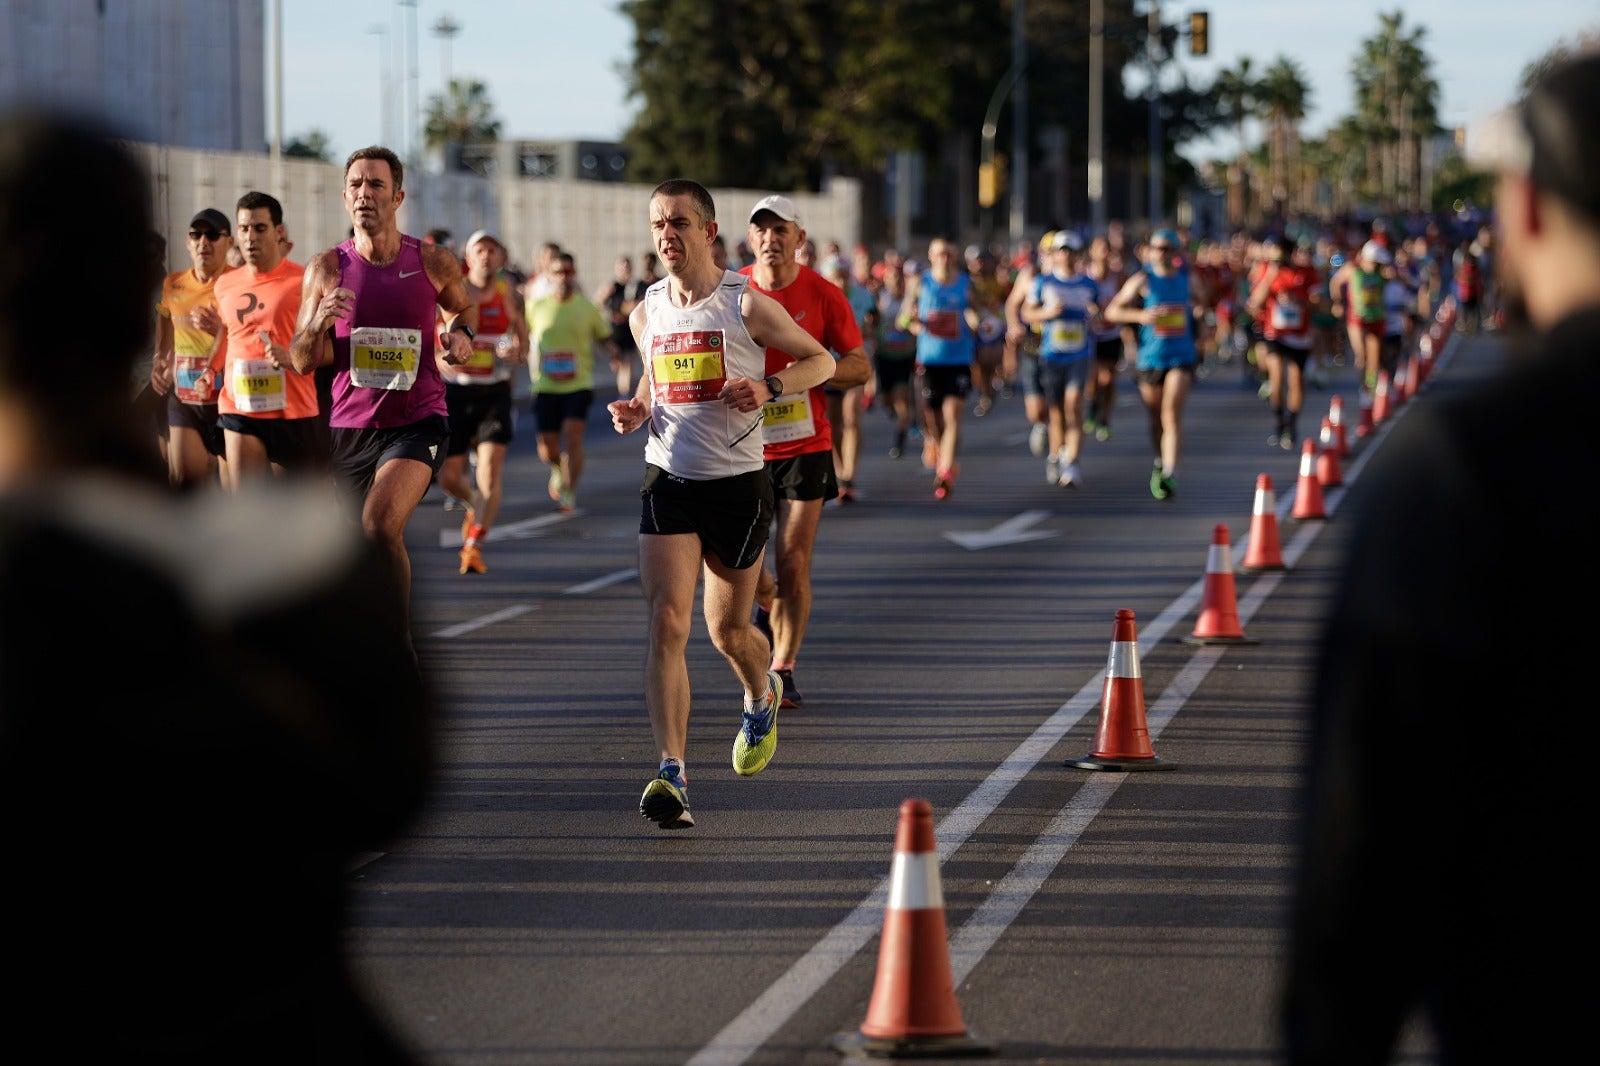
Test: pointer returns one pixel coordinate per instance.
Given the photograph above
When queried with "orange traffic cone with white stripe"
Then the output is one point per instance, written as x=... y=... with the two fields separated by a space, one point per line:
x=1122 y=741
x=1336 y=419
x=1219 y=605
x=1380 y=398
x=1329 y=475
x=1266 y=550
x=1365 y=426
x=1308 y=493
x=913 y=1012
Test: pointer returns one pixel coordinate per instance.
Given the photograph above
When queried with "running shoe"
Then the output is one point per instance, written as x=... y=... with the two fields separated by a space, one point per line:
x=847 y=492
x=1169 y=486
x=1052 y=471
x=1286 y=440
x=792 y=699
x=1038 y=438
x=1071 y=476
x=567 y=502
x=1274 y=439
x=1102 y=431
x=899 y=447
x=757 y=739
x=472 y=561
x=1158 y=486
x=942 y=488
x=982 y=407
x=1090 y=424
x=555 y=486
x=666 y=800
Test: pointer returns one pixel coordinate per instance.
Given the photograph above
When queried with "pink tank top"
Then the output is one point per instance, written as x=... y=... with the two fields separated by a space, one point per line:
x=384 y=371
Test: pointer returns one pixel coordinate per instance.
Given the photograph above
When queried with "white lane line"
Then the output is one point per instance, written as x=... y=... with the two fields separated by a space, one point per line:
x=524 y=530
x=463 y=628
x=755 y=1025
x=601 y=582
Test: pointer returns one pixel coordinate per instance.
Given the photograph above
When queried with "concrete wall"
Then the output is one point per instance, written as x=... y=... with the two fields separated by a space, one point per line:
x=595 y=220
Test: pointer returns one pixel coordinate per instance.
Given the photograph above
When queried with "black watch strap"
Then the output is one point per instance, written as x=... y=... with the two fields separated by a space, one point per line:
x=459 y=328
x=774 y=386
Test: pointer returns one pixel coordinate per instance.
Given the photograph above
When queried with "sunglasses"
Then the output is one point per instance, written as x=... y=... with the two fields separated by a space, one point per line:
x=1161 y=247
x=205 y=235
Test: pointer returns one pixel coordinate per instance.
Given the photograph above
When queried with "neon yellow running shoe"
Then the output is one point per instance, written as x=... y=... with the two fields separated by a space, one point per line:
x=666 y=800
x=758 y=734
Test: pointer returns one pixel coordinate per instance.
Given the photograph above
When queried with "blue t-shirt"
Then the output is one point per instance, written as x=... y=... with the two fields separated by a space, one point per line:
x=1170 y=342
x=946 y=339
x=1066 y=338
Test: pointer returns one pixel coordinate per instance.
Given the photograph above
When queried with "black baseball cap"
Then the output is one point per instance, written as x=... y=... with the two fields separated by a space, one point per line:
x=213 y=218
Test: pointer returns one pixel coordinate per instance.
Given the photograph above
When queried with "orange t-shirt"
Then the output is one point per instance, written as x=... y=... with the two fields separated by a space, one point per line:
x=250 y=303
x=181 y=294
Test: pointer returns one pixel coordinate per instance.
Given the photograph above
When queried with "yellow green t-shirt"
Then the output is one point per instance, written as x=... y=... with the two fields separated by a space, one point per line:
x=562 y=335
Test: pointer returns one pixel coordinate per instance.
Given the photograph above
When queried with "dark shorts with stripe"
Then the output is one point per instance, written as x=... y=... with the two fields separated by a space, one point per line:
x=1297 y=356
x=893 y=373
x=296 y=444
x=732 y=516
x=200 y=417
x=804 y=477
x=358 y=453
x=479 y=414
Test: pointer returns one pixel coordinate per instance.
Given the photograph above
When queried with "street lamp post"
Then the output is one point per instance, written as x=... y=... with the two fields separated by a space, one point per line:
x=445 y=28
x=385 y=122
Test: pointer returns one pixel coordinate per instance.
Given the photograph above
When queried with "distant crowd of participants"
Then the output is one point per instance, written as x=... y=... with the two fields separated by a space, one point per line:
x=1421 y=260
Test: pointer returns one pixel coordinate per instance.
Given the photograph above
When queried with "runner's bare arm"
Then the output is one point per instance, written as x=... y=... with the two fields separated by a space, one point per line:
x=459 y=308
x=771 y=326
x=322 y=303
x=1123 y=308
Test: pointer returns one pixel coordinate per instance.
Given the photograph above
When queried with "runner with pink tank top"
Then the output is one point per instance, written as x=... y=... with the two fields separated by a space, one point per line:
x=370 y=309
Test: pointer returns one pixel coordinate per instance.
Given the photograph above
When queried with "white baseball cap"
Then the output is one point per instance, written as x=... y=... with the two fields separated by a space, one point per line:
x=781 y=206
x=1377 y=253
x=480 y=235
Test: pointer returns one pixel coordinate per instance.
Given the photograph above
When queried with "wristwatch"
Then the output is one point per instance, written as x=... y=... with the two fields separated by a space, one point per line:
x=459 y=328
x=774 y=386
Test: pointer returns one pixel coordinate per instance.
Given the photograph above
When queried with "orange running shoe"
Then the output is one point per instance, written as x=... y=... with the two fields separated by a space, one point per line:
x=472 y=561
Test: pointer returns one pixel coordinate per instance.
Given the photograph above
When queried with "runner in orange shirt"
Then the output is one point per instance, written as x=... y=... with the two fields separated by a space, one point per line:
x=268 y=412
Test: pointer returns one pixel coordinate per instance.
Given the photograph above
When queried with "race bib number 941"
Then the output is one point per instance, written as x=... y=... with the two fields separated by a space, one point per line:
x=687 y=367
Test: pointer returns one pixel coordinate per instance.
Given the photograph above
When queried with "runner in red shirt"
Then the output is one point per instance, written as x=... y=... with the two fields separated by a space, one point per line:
x=798 y=437
x=1283 y=299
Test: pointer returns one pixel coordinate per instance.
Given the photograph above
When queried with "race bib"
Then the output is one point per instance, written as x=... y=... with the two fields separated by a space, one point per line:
x=1171 y=321
x=1068 y=335
x=563 y=366
x=946 y=325
x=991 y=329
x=687 y=367
x=257 y=386
x=1288 y=316
x=481 y=363
x=384 y=357
x=787 y=420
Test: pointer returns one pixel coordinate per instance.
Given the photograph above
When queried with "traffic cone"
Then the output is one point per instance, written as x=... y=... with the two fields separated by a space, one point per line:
x=1400 y=385
x=1366 y=424
x=1219 y=608
x=1265 y=552
x=1380 y=398
x=913 y=1012
x=1123 y=740
x=1308 y=493
x=1336 y=419
x=1329 y=476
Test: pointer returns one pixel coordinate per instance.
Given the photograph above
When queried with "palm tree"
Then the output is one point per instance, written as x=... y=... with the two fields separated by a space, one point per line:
x=1235 y=92
x=1397 y=98
x=463 y=116
x=1282 y=98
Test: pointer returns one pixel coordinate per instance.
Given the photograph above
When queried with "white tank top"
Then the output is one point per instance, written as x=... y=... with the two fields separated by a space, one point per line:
x=689 y=353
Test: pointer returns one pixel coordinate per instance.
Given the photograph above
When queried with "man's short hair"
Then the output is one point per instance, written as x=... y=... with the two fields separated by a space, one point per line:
x=397 y=169
x=52 y=165
x=704 y=205
x=252 y=200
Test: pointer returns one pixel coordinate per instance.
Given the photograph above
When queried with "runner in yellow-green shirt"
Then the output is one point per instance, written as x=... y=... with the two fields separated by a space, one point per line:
x=564 y=328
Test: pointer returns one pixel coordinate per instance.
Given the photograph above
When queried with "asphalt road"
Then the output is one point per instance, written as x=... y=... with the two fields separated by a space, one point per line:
x=955 y=654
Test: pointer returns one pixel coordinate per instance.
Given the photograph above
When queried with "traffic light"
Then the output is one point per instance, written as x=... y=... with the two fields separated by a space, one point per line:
x=991 y=176
x=1199 y=41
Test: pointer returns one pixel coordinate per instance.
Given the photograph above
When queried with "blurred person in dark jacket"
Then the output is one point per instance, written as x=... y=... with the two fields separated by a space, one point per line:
x=208 y=705
x=1432 y=883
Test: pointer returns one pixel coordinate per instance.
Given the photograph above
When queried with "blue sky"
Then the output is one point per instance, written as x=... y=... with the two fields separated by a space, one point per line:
x=551 y=66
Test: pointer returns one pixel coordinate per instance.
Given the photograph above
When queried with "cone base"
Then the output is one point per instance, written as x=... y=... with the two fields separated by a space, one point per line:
x=1309 y=518
x=857 y=1046
x=1114 y=765
x=1195 y=639
x=1264 y=568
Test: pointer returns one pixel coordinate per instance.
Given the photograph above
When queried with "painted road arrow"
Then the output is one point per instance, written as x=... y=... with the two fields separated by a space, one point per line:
x=1011 y=531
